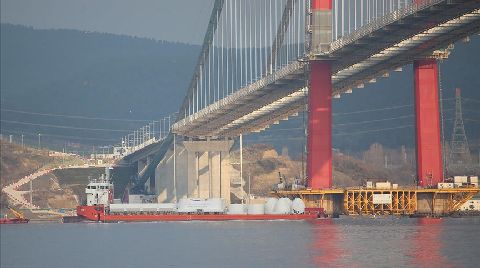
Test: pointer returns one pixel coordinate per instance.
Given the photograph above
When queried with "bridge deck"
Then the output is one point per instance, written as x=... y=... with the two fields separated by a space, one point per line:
x=370 y=52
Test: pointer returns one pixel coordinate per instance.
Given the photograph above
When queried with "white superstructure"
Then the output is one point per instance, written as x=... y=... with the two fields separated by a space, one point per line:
x=100 y=191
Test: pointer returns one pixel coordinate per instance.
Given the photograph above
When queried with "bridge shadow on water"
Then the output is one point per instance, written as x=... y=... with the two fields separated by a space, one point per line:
x=427 y=245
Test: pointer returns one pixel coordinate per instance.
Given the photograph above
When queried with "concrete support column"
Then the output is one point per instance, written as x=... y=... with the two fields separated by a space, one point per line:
x=427 y=115
x=151 y=180
x=216 y=174
x=191 y=166
x=206 y=168
x=225 y=176
x=203 y=173
x=141 y=164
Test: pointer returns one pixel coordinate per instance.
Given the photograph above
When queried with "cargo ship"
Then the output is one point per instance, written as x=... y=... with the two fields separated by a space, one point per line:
x=101 y=207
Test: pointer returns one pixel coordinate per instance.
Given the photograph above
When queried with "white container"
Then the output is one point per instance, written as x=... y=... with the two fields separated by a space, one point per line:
x=395 y=186
x=283 y=206
x=369 y=184
x=236 y=209
x=256 y=209
x=473 y=179
x=458 y=184
x=460 y=179
x=383 y=185
x=270 y=205
x=445 y=185
x=298 y=206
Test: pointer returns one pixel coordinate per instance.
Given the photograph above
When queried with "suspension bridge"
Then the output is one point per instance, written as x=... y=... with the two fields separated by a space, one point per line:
x=264 y=61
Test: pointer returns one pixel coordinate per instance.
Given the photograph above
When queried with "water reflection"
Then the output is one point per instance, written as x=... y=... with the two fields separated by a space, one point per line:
x=327 y=250
x=427 y=246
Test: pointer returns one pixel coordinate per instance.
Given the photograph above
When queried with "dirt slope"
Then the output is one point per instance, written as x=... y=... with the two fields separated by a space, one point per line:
x=262 y=165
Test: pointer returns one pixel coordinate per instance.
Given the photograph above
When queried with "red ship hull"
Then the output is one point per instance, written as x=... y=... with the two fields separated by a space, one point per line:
x=13 y=221
x=97 y=213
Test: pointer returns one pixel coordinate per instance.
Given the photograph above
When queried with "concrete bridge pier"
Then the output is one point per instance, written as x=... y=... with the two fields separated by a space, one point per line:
x=208 y=165
x=195 y=169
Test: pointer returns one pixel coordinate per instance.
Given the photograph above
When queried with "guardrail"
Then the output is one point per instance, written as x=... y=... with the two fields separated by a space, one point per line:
x=380 y=23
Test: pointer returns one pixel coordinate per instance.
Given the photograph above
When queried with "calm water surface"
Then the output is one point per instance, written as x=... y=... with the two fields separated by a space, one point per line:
x=344 y=242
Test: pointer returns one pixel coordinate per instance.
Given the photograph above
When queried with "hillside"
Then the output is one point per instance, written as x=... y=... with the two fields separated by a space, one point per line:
x=262 y=164
x=64 y=188
x=89 y=74
x=17 y=162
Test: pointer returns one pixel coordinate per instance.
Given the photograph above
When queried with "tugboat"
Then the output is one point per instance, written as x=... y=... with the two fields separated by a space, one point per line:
x=101 y=208
x=19 y=218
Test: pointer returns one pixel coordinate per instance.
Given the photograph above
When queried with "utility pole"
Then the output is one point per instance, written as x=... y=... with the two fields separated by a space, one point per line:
x=31 y=192
x=241 y=166
x=22 y=142
x=459 y=151
x=169 y=124
x=39 y=141
x=249 y=187
x=175 y=167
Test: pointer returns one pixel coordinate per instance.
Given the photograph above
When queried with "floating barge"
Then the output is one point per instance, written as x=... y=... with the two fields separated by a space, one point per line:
x=400 y=201
x=98 y=213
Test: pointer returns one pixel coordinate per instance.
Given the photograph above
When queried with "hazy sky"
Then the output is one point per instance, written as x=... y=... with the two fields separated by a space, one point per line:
x=172 y=20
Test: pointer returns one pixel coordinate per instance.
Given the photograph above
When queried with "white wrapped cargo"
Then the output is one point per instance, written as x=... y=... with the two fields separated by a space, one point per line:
x=198 y=205
x=256 y=209
x=157 y=207
x=298 y=206
x=149 y=207
x=283 y=206
x=236 y=209
x=270 y=205
x=215 y=205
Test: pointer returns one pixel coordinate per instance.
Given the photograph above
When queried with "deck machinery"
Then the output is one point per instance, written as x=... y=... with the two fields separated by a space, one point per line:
x=401 y=201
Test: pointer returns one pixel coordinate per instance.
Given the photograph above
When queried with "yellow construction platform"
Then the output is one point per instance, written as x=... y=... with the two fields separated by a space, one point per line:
x=401 y=201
